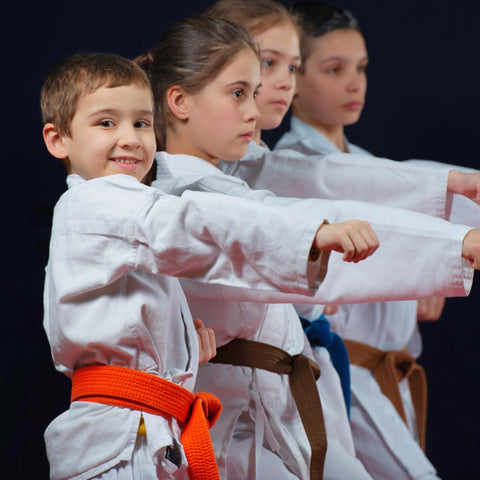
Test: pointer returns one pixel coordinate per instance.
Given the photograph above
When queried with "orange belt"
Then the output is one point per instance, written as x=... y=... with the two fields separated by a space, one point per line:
x=389 y=368
x=125 y=387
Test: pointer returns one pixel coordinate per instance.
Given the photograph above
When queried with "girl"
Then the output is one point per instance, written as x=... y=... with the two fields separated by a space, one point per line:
x=390 y=326
x=205 y=73
x=287 y=174
x=331 y=87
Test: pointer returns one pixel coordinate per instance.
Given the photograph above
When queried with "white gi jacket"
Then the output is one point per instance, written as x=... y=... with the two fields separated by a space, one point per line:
x=257 y=404
x=108 y=299
x=414 y=185
x=383 y=443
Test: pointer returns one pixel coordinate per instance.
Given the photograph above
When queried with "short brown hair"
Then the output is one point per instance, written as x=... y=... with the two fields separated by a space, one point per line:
x=80 y=75
x=318 y=18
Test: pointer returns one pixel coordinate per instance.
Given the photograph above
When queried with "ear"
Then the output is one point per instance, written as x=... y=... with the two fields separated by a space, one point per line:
x=178 y=101
x=54 y=141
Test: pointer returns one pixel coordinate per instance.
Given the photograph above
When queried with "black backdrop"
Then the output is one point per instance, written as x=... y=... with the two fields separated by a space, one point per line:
x=422 y=102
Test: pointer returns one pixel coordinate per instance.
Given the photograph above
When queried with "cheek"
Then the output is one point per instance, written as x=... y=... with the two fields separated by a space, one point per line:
x=261 y=102
x=151 y=147
x=329 y=92
x=97 y=145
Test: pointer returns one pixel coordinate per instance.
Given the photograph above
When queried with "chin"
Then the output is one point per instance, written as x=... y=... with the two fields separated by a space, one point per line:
x=354 y=118
x=271 y=123
x=232 y=156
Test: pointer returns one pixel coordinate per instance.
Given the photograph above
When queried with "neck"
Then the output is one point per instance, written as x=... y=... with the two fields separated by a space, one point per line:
x=178 y=144
x=335 y=133
x=257 y=136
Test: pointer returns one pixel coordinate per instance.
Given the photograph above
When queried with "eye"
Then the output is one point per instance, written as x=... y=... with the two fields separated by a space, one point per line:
x=238 y=93
x=106 y=123
x=333 y=70
x=293 y=68
x=267 y=63
x=141 y=124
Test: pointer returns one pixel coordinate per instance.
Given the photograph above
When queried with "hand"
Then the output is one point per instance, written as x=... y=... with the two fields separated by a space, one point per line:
x=206 y=342
x=471 y=248
x=354 y=238
x=466 y=184
x=430 y=309
x=330 y=309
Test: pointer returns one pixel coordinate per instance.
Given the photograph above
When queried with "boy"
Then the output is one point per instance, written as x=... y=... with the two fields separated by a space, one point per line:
x=116 y=320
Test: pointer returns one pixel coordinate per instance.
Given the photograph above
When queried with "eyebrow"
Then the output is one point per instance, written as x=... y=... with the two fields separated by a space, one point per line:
x=243 y=83
x=277 y=52
x=113 y=111
x=339 y=58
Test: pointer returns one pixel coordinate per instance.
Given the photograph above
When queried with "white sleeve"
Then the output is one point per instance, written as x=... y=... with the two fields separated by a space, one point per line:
x=120 y=225
x=225 y=240
x=459 y=209
x=419 y=256
x=418 y=185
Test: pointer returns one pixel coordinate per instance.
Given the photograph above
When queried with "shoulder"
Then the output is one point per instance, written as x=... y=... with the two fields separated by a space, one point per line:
x=111 y=198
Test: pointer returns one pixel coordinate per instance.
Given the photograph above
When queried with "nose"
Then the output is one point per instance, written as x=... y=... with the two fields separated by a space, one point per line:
x=129 y=137
x=285 y=80
x=356 y=81
x=253 y=113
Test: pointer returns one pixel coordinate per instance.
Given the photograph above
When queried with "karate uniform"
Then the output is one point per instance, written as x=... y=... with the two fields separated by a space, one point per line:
x=386 y=446
x=415 y=184
x=259 y=434
x=108 y=301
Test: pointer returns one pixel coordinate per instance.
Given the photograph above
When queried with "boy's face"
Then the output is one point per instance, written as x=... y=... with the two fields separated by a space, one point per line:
x=280 y=50
x=331 y=91
x=112 y=132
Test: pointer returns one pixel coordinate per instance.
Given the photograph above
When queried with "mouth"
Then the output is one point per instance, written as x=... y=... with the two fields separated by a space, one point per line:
x=247 y=136
x=126 y=163
x=353 y=106
x=280 y=103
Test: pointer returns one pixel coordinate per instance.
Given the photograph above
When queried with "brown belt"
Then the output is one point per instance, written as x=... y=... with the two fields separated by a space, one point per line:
x=389 y=368
x=302 y=372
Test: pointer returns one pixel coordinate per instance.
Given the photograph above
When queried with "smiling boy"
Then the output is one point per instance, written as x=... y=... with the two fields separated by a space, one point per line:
x=117 y=321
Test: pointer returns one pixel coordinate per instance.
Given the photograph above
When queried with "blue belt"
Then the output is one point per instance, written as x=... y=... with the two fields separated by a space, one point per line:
x=319 y=334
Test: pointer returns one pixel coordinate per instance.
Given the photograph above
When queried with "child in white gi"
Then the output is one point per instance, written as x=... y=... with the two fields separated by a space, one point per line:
x=204 y=78
x=116 y=319
x=287 y=174
x=388 y=423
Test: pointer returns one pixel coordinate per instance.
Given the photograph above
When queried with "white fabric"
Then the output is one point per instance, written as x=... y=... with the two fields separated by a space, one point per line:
x=385 y=445
x=438 y=270
x=306 y=164
x=258 y=409
x=107 y=298
x=142 y=467
x=459 y=209
x=259 y=433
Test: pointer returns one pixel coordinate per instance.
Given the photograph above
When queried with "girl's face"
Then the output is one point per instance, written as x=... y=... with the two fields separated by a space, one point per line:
x=280 y=50
x=331 y=90
x=222 y=116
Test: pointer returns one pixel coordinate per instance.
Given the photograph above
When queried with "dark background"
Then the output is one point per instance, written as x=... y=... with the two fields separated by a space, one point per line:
x=422 y=102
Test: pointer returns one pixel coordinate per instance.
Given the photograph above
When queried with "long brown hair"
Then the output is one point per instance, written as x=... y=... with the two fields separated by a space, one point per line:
x=190 y=53
x=256 y=16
